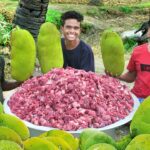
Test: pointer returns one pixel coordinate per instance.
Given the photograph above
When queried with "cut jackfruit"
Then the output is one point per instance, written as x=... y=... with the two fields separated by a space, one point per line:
x=15 y=124
x=61 y=143
x=36 y=143
x=69 y=138
x=9 y=145
x=9 y=134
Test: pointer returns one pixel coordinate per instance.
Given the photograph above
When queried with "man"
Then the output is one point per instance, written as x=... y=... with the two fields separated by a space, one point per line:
x=139 y=69
x=77 y=53
x=4 y=85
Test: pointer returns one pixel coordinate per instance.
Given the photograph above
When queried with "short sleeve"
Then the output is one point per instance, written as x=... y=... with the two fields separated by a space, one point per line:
x=131 y=65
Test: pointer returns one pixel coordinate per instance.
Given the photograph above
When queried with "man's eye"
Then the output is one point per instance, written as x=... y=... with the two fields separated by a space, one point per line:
x=75 y=28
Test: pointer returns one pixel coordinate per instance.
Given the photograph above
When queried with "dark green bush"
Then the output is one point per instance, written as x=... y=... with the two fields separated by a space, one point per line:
x=5 y=29
x=129 y=44
x=126 y=9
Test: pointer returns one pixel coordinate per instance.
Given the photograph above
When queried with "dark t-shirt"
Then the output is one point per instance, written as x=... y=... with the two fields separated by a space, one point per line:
x=79 y=58
x=2 y=64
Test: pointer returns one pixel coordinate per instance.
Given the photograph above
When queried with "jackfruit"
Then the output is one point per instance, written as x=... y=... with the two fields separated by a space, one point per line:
x=102 y=146
x=112 y=50
x=44 y=134
x=9 y=134
x=15 y=124
x=99 y=137
x=85 y=134
x=140 y=123
x=123 y=142
x=49 y=50
x=61 y=143
x=36 y=143
x=140 y=142
x=1 y=108
x=23 y=54
x=9 y=145
x=69 y=138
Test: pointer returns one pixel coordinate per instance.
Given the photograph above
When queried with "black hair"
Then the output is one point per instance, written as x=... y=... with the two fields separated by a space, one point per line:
x=71 y=15
x=144 y=27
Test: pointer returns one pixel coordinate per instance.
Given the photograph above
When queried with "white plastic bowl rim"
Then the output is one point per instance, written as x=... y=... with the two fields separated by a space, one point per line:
x=108 y=127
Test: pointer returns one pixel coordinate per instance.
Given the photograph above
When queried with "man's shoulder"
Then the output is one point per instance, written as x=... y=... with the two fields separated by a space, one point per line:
x=140 y=49
x=85 y=46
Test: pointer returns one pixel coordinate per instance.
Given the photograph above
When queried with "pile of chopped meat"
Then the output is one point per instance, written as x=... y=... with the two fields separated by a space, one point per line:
x=71 y=99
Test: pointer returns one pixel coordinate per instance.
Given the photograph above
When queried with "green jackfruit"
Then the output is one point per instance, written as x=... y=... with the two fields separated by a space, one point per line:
x=44 y=134
x=85 y=134
x=99 y=137
x=123 y=142
x=23 y=54
x=140 y=142
x=69 y=138
x=9 y=145
x=61 y=143
x=15 y=124
x=36 y=143
x=140 y=123
x=112 y=50
x=9 y=134
x=49 y=50
x=102 y=146
x=1 y=108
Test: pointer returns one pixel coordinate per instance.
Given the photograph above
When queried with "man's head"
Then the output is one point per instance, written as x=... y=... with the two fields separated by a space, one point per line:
x=148 y=31
x=144 y=28
x=71 y=23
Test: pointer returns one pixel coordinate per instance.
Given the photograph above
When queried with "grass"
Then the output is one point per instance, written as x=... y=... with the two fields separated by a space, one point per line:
x=9 y=4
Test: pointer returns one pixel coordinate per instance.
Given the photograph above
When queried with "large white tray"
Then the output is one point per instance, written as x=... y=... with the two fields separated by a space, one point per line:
x=36 y=130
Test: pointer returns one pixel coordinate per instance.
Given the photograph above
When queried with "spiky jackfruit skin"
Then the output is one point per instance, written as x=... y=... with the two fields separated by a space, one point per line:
x=1 y=108
x=123 y=142
x=140 y=142
x=102 y=146
x=69 y=138
x=59 y=142
x=36 y=143
x=9 y=134
x=140 y=123
x=112 y=50
x=9 y=145
x=85 y=134
x=23 y=54
x=15 y=124
x=99 y=137
x=49 y=50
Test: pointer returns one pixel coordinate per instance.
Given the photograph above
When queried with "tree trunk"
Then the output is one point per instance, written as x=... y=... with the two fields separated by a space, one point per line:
x=30 y=14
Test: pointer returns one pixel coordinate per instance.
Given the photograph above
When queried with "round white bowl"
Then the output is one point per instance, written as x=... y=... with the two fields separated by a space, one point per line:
x=36 y=130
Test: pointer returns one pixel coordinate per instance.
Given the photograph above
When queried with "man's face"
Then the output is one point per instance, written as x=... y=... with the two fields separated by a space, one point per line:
x=148 y=33
x=71 y=29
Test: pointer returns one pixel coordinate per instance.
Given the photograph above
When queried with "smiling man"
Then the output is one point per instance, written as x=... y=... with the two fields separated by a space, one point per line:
x=77 y=53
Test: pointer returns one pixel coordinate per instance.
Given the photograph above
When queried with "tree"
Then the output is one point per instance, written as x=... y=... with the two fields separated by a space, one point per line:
x=30 y=14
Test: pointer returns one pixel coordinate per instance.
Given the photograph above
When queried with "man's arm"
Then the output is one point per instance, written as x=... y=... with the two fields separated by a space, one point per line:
x=10 y=85
x=129 y=76
x=87 y=60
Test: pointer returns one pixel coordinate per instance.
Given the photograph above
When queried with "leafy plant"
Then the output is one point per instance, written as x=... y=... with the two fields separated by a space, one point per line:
x=87 y=27
x=53 y=16
x=5 y=29
x=129 y=44
x=126 y=9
